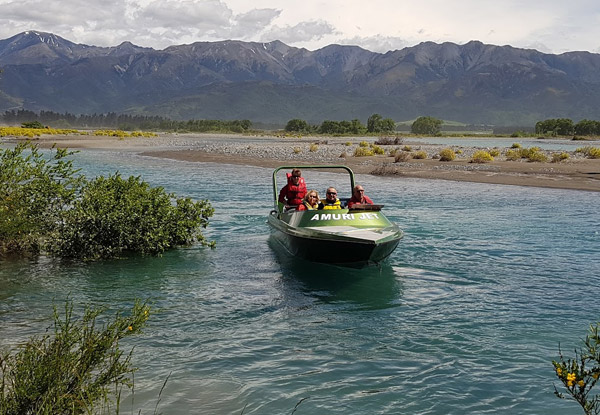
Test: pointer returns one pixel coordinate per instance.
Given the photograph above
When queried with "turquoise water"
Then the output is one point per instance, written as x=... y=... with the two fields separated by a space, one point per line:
x=465 y=317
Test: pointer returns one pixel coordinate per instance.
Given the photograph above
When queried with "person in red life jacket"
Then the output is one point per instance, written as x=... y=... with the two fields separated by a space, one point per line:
x=359 y=197
x=311 y=201
x=292 y=193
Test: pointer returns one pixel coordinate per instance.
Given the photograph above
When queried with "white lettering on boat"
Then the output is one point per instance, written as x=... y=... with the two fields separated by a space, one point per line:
x=368 y=216
x=344 y=216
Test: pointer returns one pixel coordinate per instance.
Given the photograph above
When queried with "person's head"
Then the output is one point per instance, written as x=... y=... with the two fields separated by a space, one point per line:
x=358 y=191
x=331 y=194
x=312 y=197
x=296 y=174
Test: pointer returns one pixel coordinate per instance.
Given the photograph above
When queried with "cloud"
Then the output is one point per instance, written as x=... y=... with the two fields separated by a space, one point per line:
x=247 y=25
x=301 y=32
x=377 y=43
x=199 y=14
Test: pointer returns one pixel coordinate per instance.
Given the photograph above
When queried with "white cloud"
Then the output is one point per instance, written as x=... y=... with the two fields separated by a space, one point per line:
x=302 y=32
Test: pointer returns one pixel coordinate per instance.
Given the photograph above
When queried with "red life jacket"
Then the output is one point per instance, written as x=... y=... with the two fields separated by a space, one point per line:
x=293 y=193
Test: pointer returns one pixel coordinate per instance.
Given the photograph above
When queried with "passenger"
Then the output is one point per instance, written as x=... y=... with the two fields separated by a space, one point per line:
x=359 y=197
x=331 y=201
x=311 y=201
x=292 y=193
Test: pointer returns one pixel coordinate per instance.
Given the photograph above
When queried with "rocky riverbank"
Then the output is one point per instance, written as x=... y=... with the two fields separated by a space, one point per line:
x=576 y=172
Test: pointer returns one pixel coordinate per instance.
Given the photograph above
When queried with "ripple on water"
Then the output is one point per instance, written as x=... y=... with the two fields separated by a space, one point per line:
x=464 y=317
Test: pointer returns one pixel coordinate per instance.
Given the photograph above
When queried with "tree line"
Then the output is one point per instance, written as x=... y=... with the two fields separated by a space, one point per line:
x=122 y=121
x=565 y=126
x=375 y=124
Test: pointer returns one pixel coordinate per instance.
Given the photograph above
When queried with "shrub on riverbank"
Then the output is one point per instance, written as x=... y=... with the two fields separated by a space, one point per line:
x=481 y=156
x=79 y=369
x=46 y=206
x=447 y=154
x=580 y=374
x=589 y=152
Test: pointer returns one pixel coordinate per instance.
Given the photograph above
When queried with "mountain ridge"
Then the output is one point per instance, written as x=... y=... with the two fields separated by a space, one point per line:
x=274 y=82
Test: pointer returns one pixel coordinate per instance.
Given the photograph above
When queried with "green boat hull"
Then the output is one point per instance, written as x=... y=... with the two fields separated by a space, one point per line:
x=340 y=237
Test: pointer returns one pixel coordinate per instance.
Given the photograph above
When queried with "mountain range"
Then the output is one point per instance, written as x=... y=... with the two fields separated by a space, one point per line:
x=272 y=82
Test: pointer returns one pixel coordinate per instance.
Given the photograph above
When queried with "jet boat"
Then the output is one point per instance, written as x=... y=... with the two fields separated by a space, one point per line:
x=356 y=237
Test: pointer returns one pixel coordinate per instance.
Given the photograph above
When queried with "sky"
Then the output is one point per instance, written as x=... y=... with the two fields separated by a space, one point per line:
x=550 y=26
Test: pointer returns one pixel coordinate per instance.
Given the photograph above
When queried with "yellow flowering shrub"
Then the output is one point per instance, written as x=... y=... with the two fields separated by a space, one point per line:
x=363 y=152
x=481 y=156
x=580 y=374
x=447 y=154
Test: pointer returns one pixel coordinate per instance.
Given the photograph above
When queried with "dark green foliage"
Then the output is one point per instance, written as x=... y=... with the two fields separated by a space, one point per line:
x=587 y=127
x=555 y=126
x=33 y=124
x=297 y=125
x=122 y=122
x=376 y=124
x=74 y=370
x=426 y=125
x=45 y=205
x=342 y=127
x=116 y=215
x=35 y=190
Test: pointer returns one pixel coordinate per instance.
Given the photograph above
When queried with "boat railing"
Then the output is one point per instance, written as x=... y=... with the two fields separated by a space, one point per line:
x=277 y=206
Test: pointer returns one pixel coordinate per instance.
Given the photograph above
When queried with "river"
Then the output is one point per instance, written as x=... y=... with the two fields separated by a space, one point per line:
x=466 y=316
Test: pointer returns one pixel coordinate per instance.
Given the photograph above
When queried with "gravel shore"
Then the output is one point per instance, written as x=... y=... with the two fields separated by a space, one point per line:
x=576 y=172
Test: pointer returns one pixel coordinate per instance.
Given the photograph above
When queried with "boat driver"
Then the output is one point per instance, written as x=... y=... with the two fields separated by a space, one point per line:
x=293 y=192
x=331 y=200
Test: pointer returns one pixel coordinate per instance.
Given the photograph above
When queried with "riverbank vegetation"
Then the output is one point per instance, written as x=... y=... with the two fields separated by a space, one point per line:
x=46 y=206
x=580 y=374
x=80 y=368
x=122 y=122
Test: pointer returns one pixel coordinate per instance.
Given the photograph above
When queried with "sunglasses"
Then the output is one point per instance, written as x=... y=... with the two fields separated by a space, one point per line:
x=313 y=196
x=332 y=193
x=296 y=177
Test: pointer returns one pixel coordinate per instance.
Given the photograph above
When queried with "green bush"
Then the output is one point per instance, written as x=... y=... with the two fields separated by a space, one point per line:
x=481 y=156
x=46 y=206
x=34 y=193
x=116 y=215
x=447 y=154
x=363 y=144
x=494 y=152
x=73 y=371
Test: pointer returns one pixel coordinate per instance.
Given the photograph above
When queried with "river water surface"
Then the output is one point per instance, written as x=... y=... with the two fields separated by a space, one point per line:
x=465 y=317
